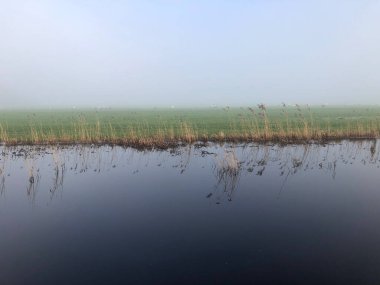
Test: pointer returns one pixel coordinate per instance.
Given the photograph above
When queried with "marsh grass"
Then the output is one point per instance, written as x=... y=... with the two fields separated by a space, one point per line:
x=163 y=128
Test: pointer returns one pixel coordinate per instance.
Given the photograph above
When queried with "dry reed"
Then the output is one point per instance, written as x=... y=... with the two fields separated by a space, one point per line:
x=257 y=127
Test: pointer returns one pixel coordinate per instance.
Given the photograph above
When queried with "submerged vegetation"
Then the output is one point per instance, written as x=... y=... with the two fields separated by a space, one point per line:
x=167 y=127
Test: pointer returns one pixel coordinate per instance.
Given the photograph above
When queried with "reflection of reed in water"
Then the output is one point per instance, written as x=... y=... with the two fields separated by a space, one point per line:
x=59 y=173
x=185 y=162
x=84 y=158
x=290 y=160
x=32 y=188
x=227 y=172
x=2 y=175
x=184 y=154
x=33 y=178
x=2 y=182
x=257 y=160
x=373 y=151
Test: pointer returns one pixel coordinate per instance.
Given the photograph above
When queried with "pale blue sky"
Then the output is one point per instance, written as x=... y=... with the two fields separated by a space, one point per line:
x=189 y=53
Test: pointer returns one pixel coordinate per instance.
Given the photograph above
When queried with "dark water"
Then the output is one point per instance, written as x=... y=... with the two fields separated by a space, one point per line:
x=306 y=214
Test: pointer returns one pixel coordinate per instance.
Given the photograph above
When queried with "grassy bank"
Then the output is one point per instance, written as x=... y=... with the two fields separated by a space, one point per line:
x=163 y=127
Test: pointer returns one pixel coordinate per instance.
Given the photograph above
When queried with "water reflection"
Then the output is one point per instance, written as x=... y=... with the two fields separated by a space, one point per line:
x=59 y=174
x=227 y=171
x=47 y=167
x=192 y=215
x=2 y=176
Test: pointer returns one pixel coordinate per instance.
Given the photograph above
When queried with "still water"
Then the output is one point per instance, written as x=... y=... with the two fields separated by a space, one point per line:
x=216 y=214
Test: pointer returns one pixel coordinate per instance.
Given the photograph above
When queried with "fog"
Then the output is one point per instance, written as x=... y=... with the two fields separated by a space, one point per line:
x=188 y=53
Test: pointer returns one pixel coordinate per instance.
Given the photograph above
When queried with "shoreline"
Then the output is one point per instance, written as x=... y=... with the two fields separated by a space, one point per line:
x=170 y=144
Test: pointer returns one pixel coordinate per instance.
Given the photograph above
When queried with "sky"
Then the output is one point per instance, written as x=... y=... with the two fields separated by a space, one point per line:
x=188 y=52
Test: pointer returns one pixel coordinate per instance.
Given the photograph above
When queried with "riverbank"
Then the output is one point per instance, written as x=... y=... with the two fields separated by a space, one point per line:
x=162 y=128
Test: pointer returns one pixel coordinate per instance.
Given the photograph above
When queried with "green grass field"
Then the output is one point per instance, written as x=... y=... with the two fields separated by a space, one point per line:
x=167 y=126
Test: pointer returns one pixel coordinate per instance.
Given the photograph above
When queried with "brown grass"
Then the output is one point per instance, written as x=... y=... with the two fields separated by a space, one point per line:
x=257 y=128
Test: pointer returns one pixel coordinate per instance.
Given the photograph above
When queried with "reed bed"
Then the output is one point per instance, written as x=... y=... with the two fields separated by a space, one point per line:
x=164 y=128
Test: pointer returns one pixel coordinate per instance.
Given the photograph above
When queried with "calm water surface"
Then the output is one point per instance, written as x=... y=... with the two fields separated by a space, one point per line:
x=217 y=214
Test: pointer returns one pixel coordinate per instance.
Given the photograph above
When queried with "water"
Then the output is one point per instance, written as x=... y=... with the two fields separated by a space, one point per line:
x=299 y=214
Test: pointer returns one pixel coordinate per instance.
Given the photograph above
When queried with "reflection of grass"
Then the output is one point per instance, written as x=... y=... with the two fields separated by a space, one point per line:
x=229 y=165
x=227 y=172
x=162 y=127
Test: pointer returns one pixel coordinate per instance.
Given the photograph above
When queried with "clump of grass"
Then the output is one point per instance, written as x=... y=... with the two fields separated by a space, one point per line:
x=188 y=133
x=3 y=134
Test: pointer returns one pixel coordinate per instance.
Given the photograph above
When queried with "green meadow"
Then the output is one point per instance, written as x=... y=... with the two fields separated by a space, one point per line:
x=160 y=127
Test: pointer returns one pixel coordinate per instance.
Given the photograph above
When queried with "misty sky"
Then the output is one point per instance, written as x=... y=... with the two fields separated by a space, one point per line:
x=188 y=53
